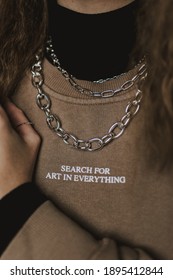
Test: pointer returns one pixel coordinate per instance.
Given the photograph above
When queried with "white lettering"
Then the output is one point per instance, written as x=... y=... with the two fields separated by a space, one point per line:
x=123 y=180
x=48 y=176
x=108 y=180
x=76 y=169
x=67 y=177
x=86 y=178
x=62 y=168
x=53 y=176
x=76 y=178
x=101 y=170
x=105 y=179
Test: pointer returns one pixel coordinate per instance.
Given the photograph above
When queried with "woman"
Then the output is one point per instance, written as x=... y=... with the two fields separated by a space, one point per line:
x=103 y=176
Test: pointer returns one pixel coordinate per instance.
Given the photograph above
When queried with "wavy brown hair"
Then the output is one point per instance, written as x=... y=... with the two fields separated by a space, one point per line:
x=23 y=30
x=155 y=38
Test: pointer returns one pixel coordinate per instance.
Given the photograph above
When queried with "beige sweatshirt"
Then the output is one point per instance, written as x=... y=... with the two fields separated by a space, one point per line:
x=107 y=204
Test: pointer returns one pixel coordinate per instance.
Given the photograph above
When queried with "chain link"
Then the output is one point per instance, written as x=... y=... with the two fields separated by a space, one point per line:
x=104 y=94
x=114 y=132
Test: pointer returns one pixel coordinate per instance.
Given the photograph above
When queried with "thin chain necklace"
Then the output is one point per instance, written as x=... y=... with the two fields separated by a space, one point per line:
x=106 y=93
x=93 y=144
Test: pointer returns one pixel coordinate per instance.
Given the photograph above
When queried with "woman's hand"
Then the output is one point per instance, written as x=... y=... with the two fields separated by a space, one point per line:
x=19 y=145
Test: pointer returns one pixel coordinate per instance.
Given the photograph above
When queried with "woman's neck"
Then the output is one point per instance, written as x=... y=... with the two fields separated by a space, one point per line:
x=93 y=46
x=93 y=6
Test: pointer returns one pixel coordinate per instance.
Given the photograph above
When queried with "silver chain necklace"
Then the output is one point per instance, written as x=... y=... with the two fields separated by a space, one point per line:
x=106 y=93
x=96 y=143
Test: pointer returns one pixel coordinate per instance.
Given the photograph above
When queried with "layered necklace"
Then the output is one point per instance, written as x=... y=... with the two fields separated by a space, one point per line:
x=96 y=35
x=104 y=94
x=53 y=121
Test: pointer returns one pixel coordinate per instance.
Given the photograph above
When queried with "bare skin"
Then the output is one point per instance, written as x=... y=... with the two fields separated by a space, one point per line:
x=18 y=149
x=93 y=6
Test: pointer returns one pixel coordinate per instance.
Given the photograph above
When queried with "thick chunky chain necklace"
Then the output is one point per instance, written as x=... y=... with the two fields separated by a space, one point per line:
x=106 y=93
x=96 y=143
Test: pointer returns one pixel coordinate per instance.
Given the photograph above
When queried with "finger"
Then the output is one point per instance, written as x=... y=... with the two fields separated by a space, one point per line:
x=4 y=120
x=18 y=119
